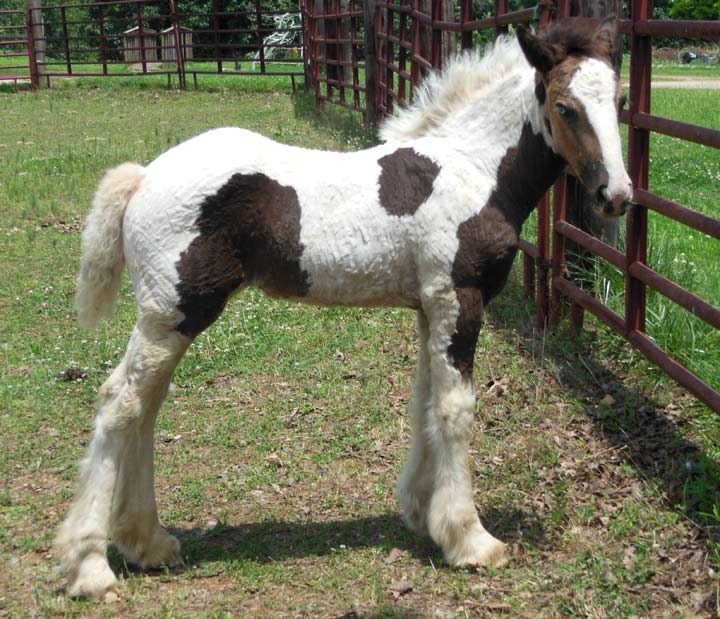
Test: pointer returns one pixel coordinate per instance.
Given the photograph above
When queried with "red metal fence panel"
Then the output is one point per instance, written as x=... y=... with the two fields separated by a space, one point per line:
x=16 y=52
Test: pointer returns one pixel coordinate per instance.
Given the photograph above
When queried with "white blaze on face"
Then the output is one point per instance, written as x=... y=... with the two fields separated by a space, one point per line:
x=594 y=85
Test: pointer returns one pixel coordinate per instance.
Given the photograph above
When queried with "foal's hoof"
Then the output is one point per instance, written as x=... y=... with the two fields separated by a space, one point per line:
x=483 y=550
x=163 y=550
x=93 y=579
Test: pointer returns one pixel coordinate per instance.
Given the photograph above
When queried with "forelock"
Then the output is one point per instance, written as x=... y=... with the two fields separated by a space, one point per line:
x=577 y=37
x=594 y=80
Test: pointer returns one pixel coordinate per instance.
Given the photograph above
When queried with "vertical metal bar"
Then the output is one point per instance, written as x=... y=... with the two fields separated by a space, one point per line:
x=330 y=48
x=415 y=73
x=466 y=15
x=389 y=57
x=66 y=38
x=545 y=7
x=103 y=39
x=179 y=42
x=339 y=35
x=141 y=34
x=563 y=9
x=261 y=47
x=501 y=7
x=543 y=239
x=558 y=249
x=437 y=46
x=354 y=29
x=216 y=36
x=371 y=73
x=528 y=275
x=382 y=87
x=638 y=156
x=402 y=55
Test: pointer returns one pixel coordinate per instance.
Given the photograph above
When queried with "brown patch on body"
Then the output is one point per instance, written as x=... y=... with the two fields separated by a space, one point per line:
x=488 y=240
x=249 y=234
x=406 y=181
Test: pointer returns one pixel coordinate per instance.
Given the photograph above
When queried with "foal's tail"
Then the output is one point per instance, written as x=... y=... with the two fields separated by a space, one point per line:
x=102 y=259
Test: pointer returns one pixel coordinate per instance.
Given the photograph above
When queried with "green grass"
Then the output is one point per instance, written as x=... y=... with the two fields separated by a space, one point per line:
x=279 y=444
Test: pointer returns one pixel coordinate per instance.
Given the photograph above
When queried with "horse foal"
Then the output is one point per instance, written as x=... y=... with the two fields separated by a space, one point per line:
x=429 y=220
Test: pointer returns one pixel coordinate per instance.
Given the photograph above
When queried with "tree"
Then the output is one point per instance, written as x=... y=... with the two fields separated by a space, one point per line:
x=695 y=9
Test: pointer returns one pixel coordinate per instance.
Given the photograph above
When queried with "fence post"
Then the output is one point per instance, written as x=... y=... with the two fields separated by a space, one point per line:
x=36 y=42
x=32 y=62
x=371 y=85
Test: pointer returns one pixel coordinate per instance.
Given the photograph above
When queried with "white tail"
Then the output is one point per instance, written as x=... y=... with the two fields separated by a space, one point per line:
x=102 y=258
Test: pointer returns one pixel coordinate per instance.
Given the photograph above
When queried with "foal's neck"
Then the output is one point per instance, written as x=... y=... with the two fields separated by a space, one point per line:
x=509 y=126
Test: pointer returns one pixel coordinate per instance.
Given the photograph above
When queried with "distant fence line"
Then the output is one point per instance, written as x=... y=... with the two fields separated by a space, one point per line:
x=149 y=37
x=368 y=55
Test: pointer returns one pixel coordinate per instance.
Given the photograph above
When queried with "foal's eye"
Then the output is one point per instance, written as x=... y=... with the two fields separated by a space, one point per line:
x=566 y=112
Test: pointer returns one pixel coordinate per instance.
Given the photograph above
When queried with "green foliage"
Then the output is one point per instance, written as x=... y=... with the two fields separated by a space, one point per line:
x=695 y=9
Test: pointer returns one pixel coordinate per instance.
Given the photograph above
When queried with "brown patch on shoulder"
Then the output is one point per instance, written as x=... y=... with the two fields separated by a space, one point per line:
x=249 y=234
x=406 y=181
x=488 y=241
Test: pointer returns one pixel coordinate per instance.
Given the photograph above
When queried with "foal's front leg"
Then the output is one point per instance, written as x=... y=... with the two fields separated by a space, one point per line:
x=452 y=520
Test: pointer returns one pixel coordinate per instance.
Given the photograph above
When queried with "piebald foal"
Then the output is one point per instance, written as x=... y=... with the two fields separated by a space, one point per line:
x=429 y=220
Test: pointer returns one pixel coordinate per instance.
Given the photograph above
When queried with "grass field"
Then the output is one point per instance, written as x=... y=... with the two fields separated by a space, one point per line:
x=279 y=444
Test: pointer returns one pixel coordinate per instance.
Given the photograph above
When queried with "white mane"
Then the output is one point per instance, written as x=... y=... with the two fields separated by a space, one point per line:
x=462 y=82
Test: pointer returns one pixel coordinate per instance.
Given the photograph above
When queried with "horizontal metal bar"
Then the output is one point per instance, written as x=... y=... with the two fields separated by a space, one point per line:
x=395 y=8
x=612 y=255
x=678 y=212
x=678 y=28
x=677 y=129
x=680 y=373
x=692 y=303
x=590 y=303
x=339 y=84
x=529 y=249
x=423 y=18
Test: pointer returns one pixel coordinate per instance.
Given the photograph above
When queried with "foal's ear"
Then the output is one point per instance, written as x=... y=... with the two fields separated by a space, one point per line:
x=606 y=37
x=540 y=54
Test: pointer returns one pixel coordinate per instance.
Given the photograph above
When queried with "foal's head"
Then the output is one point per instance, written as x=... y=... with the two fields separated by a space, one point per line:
x=581 y=98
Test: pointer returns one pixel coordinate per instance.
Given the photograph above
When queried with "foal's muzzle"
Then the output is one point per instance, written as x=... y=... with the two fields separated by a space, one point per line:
x=613 y=205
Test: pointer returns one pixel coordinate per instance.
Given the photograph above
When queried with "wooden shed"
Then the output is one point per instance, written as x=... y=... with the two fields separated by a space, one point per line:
x=133 y=45
x=167 y=49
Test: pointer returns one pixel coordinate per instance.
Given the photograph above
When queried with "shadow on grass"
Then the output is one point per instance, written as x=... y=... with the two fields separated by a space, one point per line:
x=272 y=541
x=647 y=432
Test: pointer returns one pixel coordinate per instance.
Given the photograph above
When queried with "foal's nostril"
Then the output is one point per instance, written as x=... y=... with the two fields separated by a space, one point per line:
x=602 y=193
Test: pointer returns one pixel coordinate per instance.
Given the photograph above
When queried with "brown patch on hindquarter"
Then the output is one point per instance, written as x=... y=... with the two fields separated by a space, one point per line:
x=406 y=181
x=488 y=241
x=249 y=234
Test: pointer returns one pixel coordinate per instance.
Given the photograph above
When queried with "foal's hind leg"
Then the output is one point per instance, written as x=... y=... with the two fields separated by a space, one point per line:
x=415 y=483
x=116 y=475
x=452 y=520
